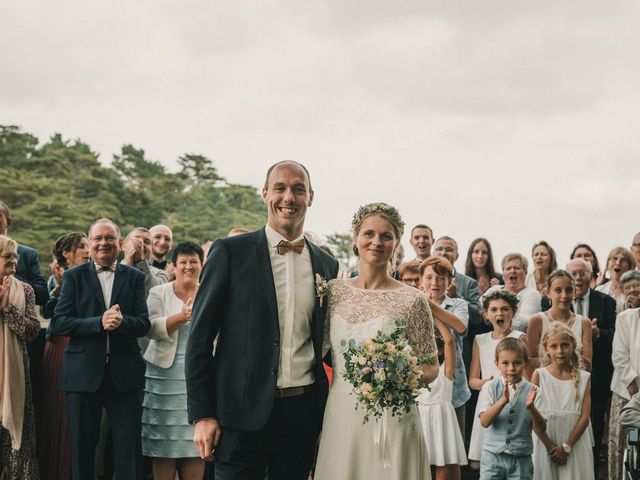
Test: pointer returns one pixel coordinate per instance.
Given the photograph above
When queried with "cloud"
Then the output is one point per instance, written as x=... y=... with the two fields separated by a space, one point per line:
x=506 y=119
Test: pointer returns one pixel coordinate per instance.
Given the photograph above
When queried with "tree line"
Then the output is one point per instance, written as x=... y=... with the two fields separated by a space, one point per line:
x=60 y=186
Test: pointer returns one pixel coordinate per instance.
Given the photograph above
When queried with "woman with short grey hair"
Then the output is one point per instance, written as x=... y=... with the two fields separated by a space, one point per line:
x=630 y=286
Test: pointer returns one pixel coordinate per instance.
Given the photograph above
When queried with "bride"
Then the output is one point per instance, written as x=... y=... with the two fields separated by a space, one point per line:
x=390 y=447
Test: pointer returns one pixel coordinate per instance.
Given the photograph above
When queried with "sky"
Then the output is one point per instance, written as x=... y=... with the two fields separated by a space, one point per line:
x=515 y=121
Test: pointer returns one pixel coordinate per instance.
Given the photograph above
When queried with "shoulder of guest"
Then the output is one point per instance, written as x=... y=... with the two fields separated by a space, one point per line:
x=529 y=292
x=161 y=289
x=28 y=289
x=129 y=270
x=629 y=315
x=24 y=249
x=487 y=386
x=77 y=268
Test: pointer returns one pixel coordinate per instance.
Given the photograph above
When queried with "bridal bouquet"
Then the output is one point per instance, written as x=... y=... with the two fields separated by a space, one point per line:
x=384 y=372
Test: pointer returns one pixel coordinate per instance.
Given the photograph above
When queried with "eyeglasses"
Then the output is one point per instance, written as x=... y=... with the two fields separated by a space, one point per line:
x=410 y=281
x=635 y=245
x=108 y=239
x=580 y=273
x=631 y=286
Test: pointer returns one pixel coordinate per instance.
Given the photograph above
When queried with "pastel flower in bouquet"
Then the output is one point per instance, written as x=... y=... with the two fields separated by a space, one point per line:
x=384 y=372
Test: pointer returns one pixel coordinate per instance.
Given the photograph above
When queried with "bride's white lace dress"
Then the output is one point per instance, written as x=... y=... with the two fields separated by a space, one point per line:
x=390 y=448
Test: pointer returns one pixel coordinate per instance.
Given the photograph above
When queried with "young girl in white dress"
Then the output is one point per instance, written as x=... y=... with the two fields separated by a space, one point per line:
x=563 y=452
x=445 y=445
x=499 y=307
x=561 y=291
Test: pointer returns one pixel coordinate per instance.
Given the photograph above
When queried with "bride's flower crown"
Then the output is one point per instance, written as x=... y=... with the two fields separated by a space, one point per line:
x=379 y=208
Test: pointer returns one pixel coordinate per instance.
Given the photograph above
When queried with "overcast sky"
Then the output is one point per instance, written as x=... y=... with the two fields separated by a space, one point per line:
x=513 y=120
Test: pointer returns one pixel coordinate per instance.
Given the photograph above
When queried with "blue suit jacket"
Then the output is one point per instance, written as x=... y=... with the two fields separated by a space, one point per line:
x=467 y=289
x=28 y=270
x=78 y=315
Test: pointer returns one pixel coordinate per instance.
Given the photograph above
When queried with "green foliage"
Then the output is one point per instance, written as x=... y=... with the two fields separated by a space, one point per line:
x=60 y=186
x=342 y=244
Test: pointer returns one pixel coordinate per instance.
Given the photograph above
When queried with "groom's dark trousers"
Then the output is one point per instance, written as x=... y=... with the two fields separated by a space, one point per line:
x=265 y=431
x=287 y=444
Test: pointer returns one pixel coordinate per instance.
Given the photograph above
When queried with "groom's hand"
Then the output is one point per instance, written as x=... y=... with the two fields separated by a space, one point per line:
x=206 y=437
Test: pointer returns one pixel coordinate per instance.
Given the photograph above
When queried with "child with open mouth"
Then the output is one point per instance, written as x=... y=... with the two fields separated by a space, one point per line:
x=499 y=306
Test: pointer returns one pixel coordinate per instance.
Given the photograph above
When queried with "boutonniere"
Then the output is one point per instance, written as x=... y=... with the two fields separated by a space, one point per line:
x=321 y=288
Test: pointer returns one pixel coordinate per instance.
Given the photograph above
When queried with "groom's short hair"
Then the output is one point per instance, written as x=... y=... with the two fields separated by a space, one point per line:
x=282 y=162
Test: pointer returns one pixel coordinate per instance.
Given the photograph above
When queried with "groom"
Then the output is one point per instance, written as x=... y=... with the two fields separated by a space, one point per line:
x=258 y=401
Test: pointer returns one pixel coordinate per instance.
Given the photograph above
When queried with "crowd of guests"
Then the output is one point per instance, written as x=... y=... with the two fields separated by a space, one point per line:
x=109 y=387
x=593 y=311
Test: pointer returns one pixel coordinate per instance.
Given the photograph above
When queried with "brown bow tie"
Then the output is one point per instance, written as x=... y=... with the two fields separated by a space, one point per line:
x=109 y=268
x=284 y=246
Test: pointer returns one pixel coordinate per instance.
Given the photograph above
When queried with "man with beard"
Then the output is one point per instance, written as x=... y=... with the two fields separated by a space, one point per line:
x=162 y=241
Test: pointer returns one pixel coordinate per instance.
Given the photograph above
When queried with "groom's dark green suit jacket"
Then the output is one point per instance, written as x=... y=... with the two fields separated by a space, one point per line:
x=236 y=303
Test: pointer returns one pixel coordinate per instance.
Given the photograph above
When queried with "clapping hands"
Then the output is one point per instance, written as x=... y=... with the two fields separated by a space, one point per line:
x=452 y=290
x=112 y=318
x=5 y=291
x=505 y=392
x=531 y=398
x=133 y=251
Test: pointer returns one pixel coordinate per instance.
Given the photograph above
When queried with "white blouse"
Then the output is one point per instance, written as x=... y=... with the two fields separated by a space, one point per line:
x=626 y=352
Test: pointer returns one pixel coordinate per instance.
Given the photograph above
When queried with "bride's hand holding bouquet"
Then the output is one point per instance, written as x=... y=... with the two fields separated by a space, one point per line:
x=384 y=372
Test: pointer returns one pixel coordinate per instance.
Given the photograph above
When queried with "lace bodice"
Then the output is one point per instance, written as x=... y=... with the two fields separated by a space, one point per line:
x=358 y=313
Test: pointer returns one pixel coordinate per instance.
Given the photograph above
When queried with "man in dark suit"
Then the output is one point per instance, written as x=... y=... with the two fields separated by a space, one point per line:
x=259 y=400
x=28 y=268
x=102 y=309
x=601 y=310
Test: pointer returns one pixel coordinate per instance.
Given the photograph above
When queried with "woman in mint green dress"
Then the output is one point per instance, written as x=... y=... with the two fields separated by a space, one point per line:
x=167 y=436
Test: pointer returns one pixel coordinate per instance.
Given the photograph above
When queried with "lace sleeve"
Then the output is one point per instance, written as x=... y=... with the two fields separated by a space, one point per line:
x=420 y=328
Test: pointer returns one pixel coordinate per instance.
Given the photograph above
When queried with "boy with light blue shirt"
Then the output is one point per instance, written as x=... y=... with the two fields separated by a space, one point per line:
x=507 y=409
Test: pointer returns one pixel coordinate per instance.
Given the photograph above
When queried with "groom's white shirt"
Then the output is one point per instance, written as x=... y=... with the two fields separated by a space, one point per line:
x=293 y=280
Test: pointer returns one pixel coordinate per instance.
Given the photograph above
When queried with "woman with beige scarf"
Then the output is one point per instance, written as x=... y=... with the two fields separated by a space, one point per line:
x=18 y=325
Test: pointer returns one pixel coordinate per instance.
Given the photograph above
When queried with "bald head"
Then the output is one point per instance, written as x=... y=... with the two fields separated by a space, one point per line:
x=291 y=163
x=162 y=241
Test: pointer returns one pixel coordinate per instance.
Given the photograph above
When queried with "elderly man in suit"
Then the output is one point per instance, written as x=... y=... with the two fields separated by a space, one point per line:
x=258 y=401
x=102 y=309
x=601 y=310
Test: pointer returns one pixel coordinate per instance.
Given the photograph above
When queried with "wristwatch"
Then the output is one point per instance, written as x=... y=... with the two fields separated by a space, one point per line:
x=566 y=447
